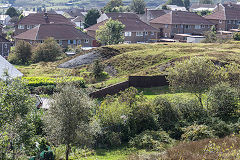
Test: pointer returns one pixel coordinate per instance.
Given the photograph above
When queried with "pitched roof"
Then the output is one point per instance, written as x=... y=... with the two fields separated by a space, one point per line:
x=57 y=31
x=79 y=19
x=157 y=13
x=6 y=66
x=43 y=18
x=229 y=11
x=181 y=17
x=134 y=24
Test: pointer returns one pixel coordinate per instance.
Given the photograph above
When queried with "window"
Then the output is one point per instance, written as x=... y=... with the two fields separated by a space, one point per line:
x=175 y=26
x=20 y=26
x=165 y=34
x=60 y=42
x=229 y=22
x=127 y=42
x=220 y=21
x=86 y=40
x=70 y=41
x=146 y=33
x=28 y=27
x=128 y=34
x=152 y=33
x=186 y=26
x=74 y=42
x=166 y=25
x=233 y=22
x=5 y=45
x=181 y=26
x=139 y=33
x=202 y=26
x=79 y=41
x=197 y=27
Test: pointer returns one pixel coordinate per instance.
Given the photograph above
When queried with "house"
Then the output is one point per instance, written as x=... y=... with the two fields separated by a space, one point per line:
x=201 y=7
x=65 y=34
x=33 y=20
x=135 y=31
x=180 y=22
x=79 y=21
x=4 y=19
x=225 y=16
x=151 y=14
x=74 y=12
x=5 y=66
x=5 y=45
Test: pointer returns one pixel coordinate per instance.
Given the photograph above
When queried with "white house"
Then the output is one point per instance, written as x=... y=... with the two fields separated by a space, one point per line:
x=5 y=66
x=4 y=19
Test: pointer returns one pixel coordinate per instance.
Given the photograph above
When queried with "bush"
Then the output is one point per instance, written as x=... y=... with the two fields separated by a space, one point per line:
x=22 y=53
x=197 y=132
x=223 y=100
x=152 y=140
x=97 y=69
x=220 y=128
x=49 y=50
x=236 y=36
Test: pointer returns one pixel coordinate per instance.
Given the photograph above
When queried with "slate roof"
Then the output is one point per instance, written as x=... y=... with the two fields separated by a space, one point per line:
x=6 y=66
x=57 y=31
x=229 y=12
x=38 y=18
x=181 y=17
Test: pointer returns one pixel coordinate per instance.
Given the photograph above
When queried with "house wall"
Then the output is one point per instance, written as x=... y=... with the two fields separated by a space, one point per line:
x=5 y=48
x=169 y=31
x=133 y=38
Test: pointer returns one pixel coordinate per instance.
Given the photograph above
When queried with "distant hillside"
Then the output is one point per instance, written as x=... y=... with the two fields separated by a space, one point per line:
x=60 y=4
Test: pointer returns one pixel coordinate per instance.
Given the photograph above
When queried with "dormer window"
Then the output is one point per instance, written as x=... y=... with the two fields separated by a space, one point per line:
x=20 y=26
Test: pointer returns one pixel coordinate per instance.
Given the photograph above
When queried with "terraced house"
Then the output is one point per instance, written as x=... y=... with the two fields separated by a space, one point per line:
x=225 y=16
x=136 y=31
x=180 y=22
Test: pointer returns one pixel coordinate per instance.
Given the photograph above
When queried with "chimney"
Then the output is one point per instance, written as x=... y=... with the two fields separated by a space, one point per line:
x=45 y=16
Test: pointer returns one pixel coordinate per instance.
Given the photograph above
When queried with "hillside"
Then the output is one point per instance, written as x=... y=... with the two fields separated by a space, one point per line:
x=59 y=4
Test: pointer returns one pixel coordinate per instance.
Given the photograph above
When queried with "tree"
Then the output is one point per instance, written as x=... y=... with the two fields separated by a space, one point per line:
x=138 y=6
x=22 y=53
x=164 y=7
x=111 y=5
x=68 y=119
x=49 y=50
x=175 y=2
x=97 y=69
x=206 y=2
x=186 y=4
x=91 y=18
x=12 y=12
x=111 y=33
x=195 y=76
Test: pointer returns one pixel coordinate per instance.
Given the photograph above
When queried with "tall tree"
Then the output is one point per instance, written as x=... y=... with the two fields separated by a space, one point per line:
x=68 y=118
x=186 y=4
x=12 y=12
x=91 y=18
x=111 y=5
x=138 y=6
x=111 y=33
x=206 y=2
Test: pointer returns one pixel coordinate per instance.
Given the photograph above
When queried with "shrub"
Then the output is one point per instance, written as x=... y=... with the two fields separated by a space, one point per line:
x=97 y=69
x=49 y=50
x=168 y=116
x=197 y=132
x=223 y=100
x=236 y=36
x=220 y=128
x=22 y=53
x=152 y=140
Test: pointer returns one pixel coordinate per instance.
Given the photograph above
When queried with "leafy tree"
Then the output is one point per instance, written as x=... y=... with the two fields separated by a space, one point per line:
x=68 y=119
x=91 y=18
x=97 y=69
x=138 y=6
x=236 y=36
x=110 y=33
x=12 y=12
x=204 y=12
x=49 y=50
x=195 y=75
x=22 y=53
x=165 y=7
x=111 y=5
x=175 y=2
x=186 y=4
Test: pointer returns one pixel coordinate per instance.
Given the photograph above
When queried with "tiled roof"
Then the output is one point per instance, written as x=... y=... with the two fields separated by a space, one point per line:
x=6 y=66
x=229 y=12
x=181 y=17
x=157 y=13
x=132 y=24
x=57 y=31
x=39 y=18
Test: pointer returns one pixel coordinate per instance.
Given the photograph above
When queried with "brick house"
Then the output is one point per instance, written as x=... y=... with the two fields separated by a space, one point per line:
x=33 y=20
x=65 y=34
x=225 y=16
x=180 y=22
x=135 y=31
